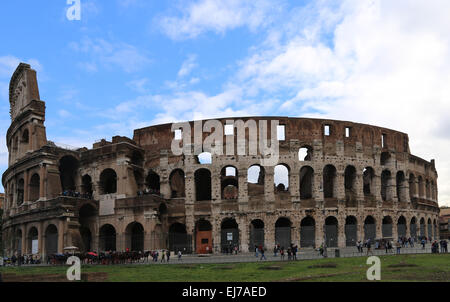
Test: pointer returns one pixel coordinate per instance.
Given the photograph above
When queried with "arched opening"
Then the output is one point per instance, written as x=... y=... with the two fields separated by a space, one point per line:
x=86 y=186
x=134 y=234
x=421 y=187
x=256 y=234
x=68 y=167
x=33 y=241
x=51 y=240
x=385 y=158
x=435 y=230
x=204 y=158
x=386 y=229
x=306 y=182
x=368 y=177
x=308 y=232
x=255 y=180
x=179 y=240
x=427 y=189
x=370 y=228
x=401 y=227
x=385 y=185
x=350 y=185
x=20 y=192
x=87 y=221
x=137 y=159
x=35 y=183
x=351 y=231
x=152 y=182
x=108 y=181
x=281 y=178
x=401 y=189
x=422 y=228
x=413 y=228
x=229 y=235
x=305 y=153
x=283 y=232
x=229 y=182
x=17 y=243
x=329 y=182
x=331 y=231
x=177 y=180
x=25 y=137
x=430 y=229
x=412 y=186
x=107 y=238
x=203 y=235
x=202 y=184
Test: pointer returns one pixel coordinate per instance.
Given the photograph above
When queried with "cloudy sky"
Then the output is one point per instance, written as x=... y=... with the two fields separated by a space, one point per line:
x=133 y=63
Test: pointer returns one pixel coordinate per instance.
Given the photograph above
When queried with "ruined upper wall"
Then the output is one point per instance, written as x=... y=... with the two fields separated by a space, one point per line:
x=303 y=130
x=23 y=88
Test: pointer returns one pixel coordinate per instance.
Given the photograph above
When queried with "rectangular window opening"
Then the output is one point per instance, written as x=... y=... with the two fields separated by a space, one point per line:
x=347 y=132
x=327 y=130
x=229 y=129
x=281 y=132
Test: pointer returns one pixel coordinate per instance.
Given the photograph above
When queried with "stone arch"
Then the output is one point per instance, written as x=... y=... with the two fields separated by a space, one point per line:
x=283 y=232
x=20 y=191
x=429 y=229
x=281 y=177
x=400 y=186
x=412 y=186
x=51 y=240
x=203 y=237
x=152 y=181
x=370 y=228
x=331 y=231
x=368 y=181
x=35 y=183
x=421 y=186
x=179 y=240
x=107 y=238
x=305 y=153
x=86 y=187
x=350 y=185
x=256 y=232
x=229 y=182
x=177 y=184
x=68 y=172
x=306 y=182
x=351 y=231
x=134 y=237
x=329 y=182
x=33 y=240
x=422 y=228
x=255 y=180
x=386 y=229
x=401 y=227
x=108 y=181
x=202 y=184
x=308 y=232
x=385 y=185
x=204 y=158
x=413 y=228
x=229 y=234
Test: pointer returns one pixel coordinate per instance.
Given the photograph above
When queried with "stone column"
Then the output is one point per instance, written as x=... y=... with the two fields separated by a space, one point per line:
x=341 y=232
x=41 y=238
x=243 y=234
x=269 y=186
x=61 y=231
x=26 y=187
x=42 y=178
x=339 y=188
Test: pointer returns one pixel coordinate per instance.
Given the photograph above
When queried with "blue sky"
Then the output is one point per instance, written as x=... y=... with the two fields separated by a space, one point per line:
x=133 y=63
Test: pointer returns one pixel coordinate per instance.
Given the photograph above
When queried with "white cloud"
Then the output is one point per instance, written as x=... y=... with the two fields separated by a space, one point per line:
x=110 y=53
x=387 y=64
x=188 y=65
x=218 y=16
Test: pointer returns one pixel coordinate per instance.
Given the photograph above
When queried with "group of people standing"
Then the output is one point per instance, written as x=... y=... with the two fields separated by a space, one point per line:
x=291 y=252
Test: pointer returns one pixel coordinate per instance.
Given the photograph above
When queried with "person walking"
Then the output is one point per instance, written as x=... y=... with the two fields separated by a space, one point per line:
x=282 y=253
x=369 y=245
x=256 y=251
x=163 y=256
x=168 y=255
x=399 y=246
x=262 y=254
x=294 y=252
x=275 y=250
x=179 y=255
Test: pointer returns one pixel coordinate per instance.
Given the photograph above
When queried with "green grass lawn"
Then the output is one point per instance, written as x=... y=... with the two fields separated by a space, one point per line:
x=393 y=268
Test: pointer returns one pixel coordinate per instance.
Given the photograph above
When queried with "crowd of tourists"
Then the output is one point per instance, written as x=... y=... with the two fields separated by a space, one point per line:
x=148 y=191
x=291 y=252
x=71 y=193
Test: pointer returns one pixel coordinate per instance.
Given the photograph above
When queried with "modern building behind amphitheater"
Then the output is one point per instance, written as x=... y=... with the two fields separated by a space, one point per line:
x=345 y=182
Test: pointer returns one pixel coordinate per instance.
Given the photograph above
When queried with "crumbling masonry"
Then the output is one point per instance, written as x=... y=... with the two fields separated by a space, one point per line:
x=342 y=182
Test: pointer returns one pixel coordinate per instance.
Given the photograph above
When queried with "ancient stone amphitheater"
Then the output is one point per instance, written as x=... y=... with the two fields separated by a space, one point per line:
x=335 y=181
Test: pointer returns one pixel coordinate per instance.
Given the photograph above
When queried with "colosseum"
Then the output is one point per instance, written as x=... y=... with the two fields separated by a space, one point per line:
x=335 y=182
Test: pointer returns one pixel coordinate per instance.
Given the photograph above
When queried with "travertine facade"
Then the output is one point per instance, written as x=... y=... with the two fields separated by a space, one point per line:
x=352 y=181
